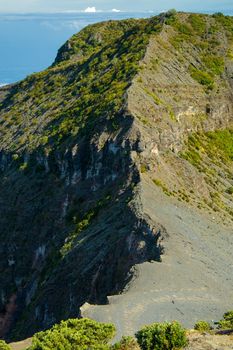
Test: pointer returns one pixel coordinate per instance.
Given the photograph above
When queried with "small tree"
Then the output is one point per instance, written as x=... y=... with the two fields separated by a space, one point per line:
x=162 y=336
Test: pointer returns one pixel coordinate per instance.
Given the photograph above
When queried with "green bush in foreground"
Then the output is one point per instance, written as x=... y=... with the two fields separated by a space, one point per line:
x=227 y=321
x=83 y=334
x=162 y=336
x=202 y=326
x=4 y=346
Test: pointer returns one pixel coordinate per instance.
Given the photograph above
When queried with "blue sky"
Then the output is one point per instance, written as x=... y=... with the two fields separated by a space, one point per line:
x=124 y=5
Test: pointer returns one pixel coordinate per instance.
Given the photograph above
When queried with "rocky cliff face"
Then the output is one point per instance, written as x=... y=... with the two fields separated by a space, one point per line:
x=124 y=103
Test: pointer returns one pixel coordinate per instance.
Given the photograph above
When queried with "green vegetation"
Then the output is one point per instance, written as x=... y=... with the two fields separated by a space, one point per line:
x=212 y=154
x=229 y=190
x=198 y=23
x=126 y=343
x=203 y=78
x=156 y=99
x=160 y=184
x=225 y=22
x=87 y=82
x=214 y=144
x=214 y=64
x=92 y=72
x=202 y=326
x=227 y=321
x=73 y=334
x=220 y=143
x=202 y=32
x=82 y=224
x=162 y=336
x=170 y=16
x=230 y=54
x=4 y=345
x=85 y=334
x=187 y=31
x=144 y=168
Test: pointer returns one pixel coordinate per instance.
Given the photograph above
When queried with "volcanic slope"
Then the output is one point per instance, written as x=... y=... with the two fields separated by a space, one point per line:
x=116 y=175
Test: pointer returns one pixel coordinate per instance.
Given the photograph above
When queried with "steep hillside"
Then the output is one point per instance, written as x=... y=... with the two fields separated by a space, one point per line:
x=103 y=156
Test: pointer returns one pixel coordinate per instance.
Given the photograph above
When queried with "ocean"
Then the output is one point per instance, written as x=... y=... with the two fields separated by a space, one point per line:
x=29 y=42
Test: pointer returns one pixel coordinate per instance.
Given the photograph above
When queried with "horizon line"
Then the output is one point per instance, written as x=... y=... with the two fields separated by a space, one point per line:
x=70 y=12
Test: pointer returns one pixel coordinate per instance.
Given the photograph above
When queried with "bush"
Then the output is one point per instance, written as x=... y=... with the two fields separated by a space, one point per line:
x=227 y=321
x=126 y=343
x=4 y=346
x=214 y=64
x=74 y=334
x=218 y=14
x=202 y=326
x=198 y=23
x=170 y=16
x=171 y=12
x=162 y=336
x=202 y=78
x=229 y=190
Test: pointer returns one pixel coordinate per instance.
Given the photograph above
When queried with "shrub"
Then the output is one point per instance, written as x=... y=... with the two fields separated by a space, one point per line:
x=143 y=168
x=198 y=23
x=215 y=64
x=229 y=190
x=126 y=343
x=162 y=336
x=202 y=78
x=73 y=334
x=170 y=16
x=171 y=12
x=218 y=14
x=202 y=326
x=227 y=321
x=4 y=346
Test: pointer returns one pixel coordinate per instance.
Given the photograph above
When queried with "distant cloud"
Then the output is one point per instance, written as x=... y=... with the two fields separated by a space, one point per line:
x=58 y=26
x=90 y=9
x=115 y=10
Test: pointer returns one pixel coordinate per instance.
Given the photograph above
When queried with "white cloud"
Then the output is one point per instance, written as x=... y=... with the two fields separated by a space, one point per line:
x=115 y=10
x=90 y=9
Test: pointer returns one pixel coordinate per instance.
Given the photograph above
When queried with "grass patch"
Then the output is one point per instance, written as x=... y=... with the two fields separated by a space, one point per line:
x=217 y=145
x=202 y=78
x=214 y=64
x=155 y=98
x=198 y=23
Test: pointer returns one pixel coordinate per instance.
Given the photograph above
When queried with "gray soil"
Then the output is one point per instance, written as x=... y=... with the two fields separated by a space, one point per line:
x=194 y=280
